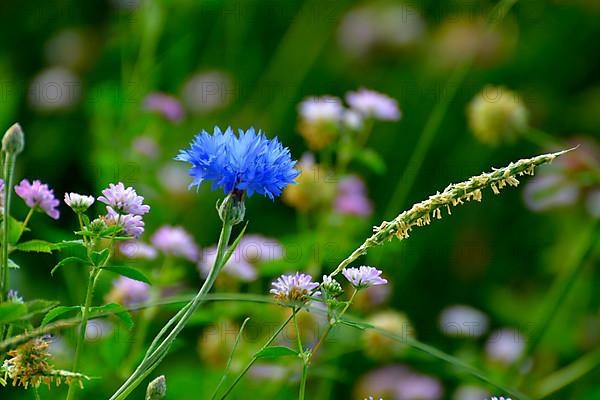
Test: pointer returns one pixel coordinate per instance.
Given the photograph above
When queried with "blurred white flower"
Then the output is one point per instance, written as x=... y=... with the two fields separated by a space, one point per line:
x=54 y=89
x=463 y=321
x=208 y=91
x=390 y=27
x=324 y=108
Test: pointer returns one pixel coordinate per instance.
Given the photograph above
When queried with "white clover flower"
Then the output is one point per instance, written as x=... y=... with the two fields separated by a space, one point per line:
x=500 y=398
x=78 y=202
x=364 y=276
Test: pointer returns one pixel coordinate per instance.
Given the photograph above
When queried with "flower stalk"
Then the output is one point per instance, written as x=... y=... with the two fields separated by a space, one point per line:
x=13 y=143
x=422 y=213
x=231 y=214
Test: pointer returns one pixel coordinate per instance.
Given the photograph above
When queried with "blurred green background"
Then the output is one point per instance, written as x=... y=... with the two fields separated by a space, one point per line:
x=76 y=75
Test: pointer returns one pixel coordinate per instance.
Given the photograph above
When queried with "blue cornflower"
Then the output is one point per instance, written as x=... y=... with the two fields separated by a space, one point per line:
x=247 y=162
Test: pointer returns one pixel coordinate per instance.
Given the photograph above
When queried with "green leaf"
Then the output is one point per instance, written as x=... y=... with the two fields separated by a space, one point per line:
x=113 y=309
x=11 y=311
x=57 y=312
x=42 y=246
x=69 y=260
x=99 y=258
x=276 y=352
x=15 y=230
x=39 y=306
x=12 y=264
x=361 y=326
x=129 y=272
x=35 y=246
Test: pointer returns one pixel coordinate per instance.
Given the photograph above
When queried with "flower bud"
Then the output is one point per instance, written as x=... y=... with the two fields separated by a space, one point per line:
x=232 y=209
x=13 y=141
x=497 y=115
x=157 y=389
x=331 y=287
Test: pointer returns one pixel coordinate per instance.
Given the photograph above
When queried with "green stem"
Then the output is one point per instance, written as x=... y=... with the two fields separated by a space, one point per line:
x=331 y=325
x=567 y=375
x=253 y=360
x=83 y=327
x=27 y=219
x=559 y=292
x=157 y=352
x=9 y=171
x=303 y=380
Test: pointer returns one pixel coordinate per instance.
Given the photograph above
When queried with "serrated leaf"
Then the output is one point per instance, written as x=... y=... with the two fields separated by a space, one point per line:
x=69 y=260
x=99 y=258
x=11 y=311
x=113 y=309
x=57 y=312
x=42 y=246
x=276 y=352
x=35 y=246
x=129 y=272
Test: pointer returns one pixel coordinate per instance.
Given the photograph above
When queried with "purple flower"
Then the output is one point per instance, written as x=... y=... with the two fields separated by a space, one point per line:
x=550 y=191
x=352 y=197
x=364 y=276
x=166 y=105
x=129 y=291
x=175 y=241
x=136 y=250
x=146 y=146
x=293 y=287
x=374 y=104
x=38 y=195
x=132 y=224
x=123 y=201
x=505 y=345
x=399 y=382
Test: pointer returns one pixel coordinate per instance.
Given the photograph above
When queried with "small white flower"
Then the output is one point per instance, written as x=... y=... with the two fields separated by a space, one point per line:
x=325 y=108
x=78 y=202
x=364 y=276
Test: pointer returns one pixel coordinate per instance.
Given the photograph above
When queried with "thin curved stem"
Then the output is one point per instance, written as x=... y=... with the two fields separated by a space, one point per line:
x=253 y=360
